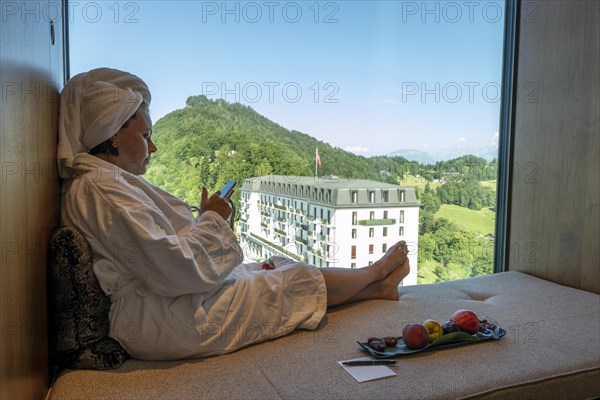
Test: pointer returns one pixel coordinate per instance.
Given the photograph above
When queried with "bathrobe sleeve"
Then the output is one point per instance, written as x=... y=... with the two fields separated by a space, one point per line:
x=143 y=235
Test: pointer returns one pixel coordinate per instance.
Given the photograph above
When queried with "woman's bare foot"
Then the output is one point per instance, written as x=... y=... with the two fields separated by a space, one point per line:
x=392 y=260
x=389 y=285
x=386 y=288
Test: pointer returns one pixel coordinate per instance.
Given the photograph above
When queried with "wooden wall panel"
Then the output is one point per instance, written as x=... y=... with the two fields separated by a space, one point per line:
x=31 y=73
x=555 y=219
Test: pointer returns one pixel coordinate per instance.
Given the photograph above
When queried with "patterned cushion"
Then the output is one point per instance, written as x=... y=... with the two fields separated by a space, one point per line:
x=78 y=308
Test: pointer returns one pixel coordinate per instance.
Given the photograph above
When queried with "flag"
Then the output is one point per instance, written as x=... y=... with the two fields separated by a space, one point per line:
x=317 y=158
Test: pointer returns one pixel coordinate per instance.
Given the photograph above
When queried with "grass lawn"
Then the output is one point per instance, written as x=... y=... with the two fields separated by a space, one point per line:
x=413 y=181
x=425 y=274
x=482 y=221
x=491 y=184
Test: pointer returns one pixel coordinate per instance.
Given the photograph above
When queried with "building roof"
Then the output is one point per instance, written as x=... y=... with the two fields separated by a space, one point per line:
x=333 y=191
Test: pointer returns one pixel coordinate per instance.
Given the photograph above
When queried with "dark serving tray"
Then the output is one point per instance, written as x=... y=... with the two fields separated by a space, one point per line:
x=447 y=340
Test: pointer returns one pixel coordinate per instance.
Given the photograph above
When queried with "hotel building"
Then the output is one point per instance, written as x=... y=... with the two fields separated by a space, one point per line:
x=327 y=221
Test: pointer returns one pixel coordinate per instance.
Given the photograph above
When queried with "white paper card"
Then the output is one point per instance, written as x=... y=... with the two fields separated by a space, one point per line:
x=364 y=373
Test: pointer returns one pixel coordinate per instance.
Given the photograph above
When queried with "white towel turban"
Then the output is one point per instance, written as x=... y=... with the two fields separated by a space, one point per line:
x=93 y=107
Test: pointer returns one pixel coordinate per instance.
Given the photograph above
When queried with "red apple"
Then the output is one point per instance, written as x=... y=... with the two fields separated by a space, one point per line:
x=466 y=320
x=415 y=336
x=434 y=328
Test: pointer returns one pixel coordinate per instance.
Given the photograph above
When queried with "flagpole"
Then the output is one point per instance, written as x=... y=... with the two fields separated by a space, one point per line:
x=317 y=163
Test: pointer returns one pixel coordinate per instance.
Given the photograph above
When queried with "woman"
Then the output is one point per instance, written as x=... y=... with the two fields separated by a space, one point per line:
x=177 y=284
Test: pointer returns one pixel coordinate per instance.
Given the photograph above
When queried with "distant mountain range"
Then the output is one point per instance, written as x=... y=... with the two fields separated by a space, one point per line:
x=488 y=153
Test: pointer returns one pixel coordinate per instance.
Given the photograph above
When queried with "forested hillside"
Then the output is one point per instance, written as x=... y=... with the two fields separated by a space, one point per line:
x=211 y=141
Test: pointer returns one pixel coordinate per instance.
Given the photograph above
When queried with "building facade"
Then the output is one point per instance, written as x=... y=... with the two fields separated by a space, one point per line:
x=327 y=221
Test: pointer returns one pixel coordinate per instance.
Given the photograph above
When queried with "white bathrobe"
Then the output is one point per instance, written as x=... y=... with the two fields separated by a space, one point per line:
x=177 y=285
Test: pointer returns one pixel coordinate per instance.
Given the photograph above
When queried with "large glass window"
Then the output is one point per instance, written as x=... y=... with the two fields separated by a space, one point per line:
x=401 y=92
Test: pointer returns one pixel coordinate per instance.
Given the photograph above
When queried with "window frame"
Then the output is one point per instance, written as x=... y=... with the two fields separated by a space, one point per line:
x=508 y=102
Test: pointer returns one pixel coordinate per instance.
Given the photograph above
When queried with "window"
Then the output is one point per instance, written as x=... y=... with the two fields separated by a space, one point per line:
x=372 y=215
x=370 y=249
x=371 y=196
x=371 y=232
x=354 y=218
x=465 y=89
x=353 y=233
x=384 y=247
x=384 y=231
x=401 y=231
x=353 y=252
x=385 y=214
x=353 y=265
x=401 y=217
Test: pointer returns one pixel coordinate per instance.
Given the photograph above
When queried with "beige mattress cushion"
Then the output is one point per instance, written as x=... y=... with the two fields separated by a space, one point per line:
x=551 y=350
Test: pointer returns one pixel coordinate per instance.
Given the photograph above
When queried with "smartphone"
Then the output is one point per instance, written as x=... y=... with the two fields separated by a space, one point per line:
x=228 y=188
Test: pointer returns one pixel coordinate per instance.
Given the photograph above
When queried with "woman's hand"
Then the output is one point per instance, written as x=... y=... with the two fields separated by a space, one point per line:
x=215 y=203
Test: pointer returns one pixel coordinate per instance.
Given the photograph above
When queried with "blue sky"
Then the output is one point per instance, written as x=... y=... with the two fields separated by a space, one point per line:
x=367 y=76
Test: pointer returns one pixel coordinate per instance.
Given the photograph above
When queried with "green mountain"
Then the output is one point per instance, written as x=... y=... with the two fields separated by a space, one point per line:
x=211 y=141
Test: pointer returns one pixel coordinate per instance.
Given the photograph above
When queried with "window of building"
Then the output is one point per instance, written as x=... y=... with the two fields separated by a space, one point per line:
x=384 y=247
x=372 y=215
x=385 y=214
x=385 y=196
x=371 y=232
x=354 y=218
x=353 y=252
x=353 y=265
x=401 y=218
x=402 y=194
x=353 y=233
x=401 y=231
x=354 y=196
x=371 y=196
x=370 y=249
x=385 y=231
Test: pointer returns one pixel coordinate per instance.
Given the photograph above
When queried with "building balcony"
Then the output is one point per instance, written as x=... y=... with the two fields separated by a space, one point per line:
x=274 y=247
x=301 y=240
x=280 y=232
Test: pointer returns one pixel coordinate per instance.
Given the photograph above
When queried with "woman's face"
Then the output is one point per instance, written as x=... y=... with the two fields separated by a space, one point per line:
x=135 y=144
